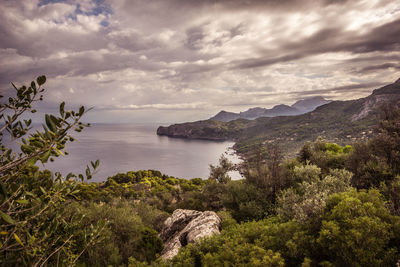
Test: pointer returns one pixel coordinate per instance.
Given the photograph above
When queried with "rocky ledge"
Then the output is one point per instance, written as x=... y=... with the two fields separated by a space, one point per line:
x=187 y=226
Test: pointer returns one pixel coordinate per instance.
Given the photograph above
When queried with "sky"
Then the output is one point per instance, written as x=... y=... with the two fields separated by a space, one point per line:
x=185 y=60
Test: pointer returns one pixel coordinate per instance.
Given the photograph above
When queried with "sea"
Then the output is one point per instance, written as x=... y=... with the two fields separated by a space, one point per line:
x=132 y=147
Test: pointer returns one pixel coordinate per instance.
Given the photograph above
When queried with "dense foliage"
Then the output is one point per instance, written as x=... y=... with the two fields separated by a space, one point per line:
x=330 y=205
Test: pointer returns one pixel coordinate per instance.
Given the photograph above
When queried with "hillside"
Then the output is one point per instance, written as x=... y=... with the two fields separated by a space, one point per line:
x=331 y=205
x=338 y=121
x=300 y=107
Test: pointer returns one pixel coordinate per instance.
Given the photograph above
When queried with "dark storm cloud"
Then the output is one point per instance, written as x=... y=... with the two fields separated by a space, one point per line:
x=372 y=68
x=133 y=41
x=363 y=59
x=385 y=38
x=382 y=39
x=345 y=88
x=194 y=36
x=255 y=63
x=327 y=92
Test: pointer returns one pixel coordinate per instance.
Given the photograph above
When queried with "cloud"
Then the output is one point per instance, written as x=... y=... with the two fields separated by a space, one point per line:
x=384 y=66
x=194 y=38
x=385 y=38
x=177 y=106
x=189 y=59
x=347 y=88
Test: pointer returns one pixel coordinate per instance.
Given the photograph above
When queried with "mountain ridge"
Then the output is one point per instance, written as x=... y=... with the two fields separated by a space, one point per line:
x=299 y=107
x=342 y=122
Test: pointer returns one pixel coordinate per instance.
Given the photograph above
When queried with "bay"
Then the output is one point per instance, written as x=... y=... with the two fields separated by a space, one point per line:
x=131 y=147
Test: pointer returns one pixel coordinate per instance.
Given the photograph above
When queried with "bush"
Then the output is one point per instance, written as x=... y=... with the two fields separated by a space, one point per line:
x=307 y=200
x=246 y=202
x=358 y=230
x=127 y=234
x=263 y=243
x=325 y=155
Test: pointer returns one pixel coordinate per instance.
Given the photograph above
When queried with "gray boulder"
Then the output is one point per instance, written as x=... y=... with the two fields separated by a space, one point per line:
x=187 y=226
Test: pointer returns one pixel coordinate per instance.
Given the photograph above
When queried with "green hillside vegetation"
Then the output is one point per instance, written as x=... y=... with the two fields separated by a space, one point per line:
x=332 y=121
x=330 y=205
x=337 y=121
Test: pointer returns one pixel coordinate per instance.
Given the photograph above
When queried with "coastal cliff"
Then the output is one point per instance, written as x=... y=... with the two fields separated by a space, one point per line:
x=206 y=130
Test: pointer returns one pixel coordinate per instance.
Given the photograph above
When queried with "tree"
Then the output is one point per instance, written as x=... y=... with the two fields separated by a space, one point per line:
x=220 y=172
x=263 y=169
x=324 y=154
x=387 y=143
x=378 y=160
x=245 y=201
x=307 y=200
x=33 y=229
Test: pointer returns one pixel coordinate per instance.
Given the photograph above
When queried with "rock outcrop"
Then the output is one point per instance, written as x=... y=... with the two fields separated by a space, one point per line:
x=187 y=226
x=389 y=94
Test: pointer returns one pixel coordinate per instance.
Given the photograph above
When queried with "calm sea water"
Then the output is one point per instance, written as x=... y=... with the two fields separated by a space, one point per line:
x=131 y=147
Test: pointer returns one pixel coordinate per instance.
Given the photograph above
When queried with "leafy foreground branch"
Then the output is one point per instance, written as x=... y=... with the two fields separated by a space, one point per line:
x=34 y=230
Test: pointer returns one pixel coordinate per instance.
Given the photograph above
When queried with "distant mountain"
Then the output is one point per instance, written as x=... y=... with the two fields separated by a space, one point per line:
x=300 y=107
x=252 y=113
x=281 y=110
x=225 y=116
x=309 y=104
x=342 y=122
